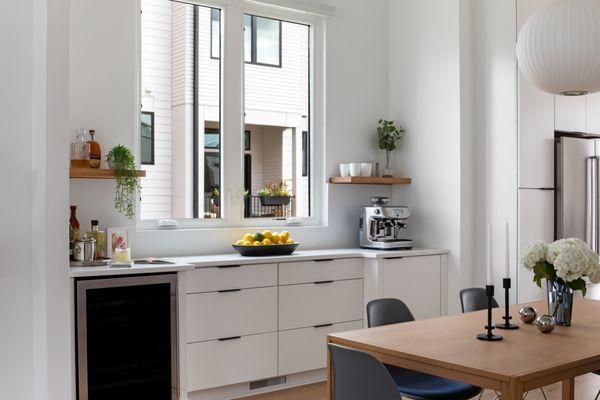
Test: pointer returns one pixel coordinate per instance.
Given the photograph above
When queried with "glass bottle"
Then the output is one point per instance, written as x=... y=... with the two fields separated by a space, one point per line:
x=80 y=151
x=95 y=151
x=100 y=237
x=73 y=228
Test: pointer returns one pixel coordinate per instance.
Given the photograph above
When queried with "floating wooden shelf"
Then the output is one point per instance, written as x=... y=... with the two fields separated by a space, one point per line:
x=92 y=173
x=368 y=180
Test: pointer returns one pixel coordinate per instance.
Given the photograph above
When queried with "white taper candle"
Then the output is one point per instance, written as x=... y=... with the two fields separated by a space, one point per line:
x=507 y=257
x=490 y=278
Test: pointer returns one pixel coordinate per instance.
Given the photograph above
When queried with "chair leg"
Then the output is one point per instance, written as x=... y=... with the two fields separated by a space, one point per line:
x=598 y=395
x=543 y=393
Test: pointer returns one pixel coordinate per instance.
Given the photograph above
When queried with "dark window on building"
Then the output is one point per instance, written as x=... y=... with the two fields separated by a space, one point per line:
x=147 y=138
x=215 y=33
x=262 y=40
x=212 y=138
x=247 y=140
x=305 y=153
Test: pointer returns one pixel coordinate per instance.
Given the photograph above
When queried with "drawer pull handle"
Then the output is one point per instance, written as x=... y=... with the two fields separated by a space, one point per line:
x=322 y=282
x=229 y=266
x=229 y=338
x=323 y=325
x=393 y=258
x=230 y=290
x=324 y=260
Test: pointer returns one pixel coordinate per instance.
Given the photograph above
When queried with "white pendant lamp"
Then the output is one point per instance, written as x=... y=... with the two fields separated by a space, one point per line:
x=558 y=48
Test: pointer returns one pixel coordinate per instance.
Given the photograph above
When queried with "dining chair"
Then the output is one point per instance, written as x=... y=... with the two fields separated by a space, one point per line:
x=413 y=384
x=598 y=394
x=358 y=376
x=475 y=299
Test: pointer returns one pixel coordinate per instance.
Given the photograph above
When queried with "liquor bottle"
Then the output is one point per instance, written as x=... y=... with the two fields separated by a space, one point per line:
x=73 y=228
x=95 y=151
x=100 y=237
x=80 y=151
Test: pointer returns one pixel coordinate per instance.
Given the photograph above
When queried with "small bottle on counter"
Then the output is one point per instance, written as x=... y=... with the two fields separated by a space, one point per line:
x=80 y=151
x=73 y=229
x=100 y=237
x=95 y=151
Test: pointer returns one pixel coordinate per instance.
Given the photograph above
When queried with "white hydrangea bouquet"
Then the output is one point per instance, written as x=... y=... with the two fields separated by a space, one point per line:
x=566 y=261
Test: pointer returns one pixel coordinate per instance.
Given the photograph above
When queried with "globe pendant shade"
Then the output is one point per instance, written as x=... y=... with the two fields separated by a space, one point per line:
x=558 y=48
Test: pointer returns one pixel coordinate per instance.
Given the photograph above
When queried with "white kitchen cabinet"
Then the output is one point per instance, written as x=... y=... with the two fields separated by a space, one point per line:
x=536 y=222
x=230 y=277
x=231 y=313
x=420 y=282
x=311 y=304
x=569 y=113
x=592 y=113
x=306 y=349
x=320 y=270
x=225 y=362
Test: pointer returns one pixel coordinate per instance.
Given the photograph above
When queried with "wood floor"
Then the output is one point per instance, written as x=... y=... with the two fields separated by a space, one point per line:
x=586 y=388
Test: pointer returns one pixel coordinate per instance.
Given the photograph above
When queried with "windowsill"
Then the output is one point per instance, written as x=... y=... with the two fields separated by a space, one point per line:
x=204 y=225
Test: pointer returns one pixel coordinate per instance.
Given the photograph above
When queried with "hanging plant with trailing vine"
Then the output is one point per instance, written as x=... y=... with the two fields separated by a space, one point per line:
x=122 y=161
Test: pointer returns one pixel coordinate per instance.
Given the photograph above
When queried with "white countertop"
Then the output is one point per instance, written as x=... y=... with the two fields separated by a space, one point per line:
x=192 y=262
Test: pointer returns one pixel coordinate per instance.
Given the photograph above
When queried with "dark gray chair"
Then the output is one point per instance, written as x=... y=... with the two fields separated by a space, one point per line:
x=598 y=394
x=359 y=376
x=475 y=299
x=413 y=384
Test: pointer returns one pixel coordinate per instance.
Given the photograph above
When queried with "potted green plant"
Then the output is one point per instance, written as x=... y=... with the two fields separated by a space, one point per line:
x=216 y=197
x=388 y=136
x=122 y=161
x=274 y=194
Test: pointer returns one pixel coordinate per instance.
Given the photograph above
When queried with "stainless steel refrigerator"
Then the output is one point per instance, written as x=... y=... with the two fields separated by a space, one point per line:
x=577 y=208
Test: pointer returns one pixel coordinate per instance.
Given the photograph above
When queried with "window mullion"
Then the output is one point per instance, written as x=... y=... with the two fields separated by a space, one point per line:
x=232 y=113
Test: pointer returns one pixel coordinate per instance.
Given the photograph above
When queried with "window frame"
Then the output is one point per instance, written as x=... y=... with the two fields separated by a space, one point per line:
x=254 y=38
x=232 y=99
x=212 y=33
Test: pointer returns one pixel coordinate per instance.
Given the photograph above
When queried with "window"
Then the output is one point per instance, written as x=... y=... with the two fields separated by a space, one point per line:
x=147 y=138
x=262 y=40
x=215 y=33
x=188 y=90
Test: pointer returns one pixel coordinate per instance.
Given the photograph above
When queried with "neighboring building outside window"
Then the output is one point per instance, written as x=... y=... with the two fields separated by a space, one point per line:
x=147 y=138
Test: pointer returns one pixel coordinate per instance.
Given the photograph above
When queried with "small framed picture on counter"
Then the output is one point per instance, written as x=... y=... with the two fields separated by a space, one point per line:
x=117 y=238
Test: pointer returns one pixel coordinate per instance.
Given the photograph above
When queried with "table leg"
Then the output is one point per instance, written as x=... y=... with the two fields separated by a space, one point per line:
x=512 y=390
x=568 y=389
x=329 y=375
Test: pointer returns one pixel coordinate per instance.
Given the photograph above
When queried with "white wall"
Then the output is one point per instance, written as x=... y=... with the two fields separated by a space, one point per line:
x=425 y=97
x=35 y=348
x=103 y=96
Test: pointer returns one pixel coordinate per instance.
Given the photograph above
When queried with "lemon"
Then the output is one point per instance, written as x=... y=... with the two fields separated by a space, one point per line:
x=240 y=242
x=247 y=243
x=285 y=235
x=267 y=234
x=266 y=242
x=275 y=237
x=289 y=241
x=249 y=237
x=257 y=243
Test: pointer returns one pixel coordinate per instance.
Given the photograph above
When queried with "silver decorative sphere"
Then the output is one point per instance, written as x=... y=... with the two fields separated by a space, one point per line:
x=545 y=323
x=528 y=314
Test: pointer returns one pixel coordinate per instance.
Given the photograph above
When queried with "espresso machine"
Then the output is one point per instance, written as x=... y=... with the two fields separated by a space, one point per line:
x=380 y=226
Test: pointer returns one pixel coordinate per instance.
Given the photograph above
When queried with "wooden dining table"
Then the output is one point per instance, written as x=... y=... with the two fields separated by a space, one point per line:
x=524 y=360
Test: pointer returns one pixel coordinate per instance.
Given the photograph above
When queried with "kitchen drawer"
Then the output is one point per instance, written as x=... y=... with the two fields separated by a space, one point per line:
x=230 y=277
x=307 y=305
x=306 y=349
x=232 y=313
x=219 y=363
x=320 y=270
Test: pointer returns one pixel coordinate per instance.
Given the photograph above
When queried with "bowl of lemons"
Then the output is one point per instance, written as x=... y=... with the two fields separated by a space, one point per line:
x=265 y=243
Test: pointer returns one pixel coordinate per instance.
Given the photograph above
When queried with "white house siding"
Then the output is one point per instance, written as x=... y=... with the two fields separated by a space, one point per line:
x=156 y=97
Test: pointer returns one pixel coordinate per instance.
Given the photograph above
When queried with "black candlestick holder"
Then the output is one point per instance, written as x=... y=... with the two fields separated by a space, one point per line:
x=489 y=336
x=506 y=324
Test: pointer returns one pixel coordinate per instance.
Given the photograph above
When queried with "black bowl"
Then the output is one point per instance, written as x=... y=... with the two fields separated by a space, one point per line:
x=270 y=250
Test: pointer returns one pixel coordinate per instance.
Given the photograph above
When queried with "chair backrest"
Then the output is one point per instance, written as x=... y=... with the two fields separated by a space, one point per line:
x=359 y=376
x=475 y=299
x=386 y=312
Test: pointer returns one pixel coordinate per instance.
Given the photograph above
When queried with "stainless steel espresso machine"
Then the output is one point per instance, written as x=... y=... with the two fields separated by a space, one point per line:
x=380 y=225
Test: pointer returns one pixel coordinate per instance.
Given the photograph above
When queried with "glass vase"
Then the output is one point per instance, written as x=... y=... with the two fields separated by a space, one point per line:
x=560 y=302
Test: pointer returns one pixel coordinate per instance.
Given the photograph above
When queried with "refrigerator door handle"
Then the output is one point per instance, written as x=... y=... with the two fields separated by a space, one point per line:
x=591 y=203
